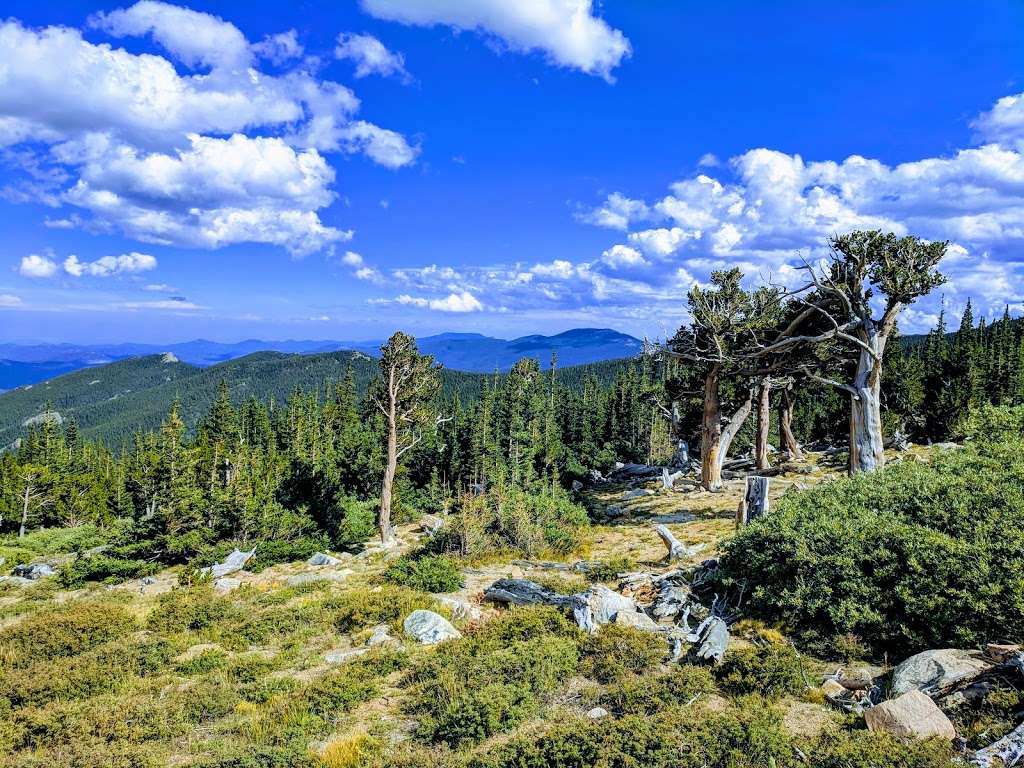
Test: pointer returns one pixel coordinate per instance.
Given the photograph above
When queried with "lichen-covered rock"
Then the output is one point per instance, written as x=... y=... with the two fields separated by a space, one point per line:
x=380 y=636
x=322 y=558
x=461 y=609
x=599 y=606
x=33 y=571
x=429 y=628
x=345 y=654
x=226 y=584
x=637 y=620
x=934 y=669
x=597 y=713
x=912 y=714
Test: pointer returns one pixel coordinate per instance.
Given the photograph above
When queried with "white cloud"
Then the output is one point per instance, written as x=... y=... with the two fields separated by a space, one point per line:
x=768 y=209
x=159 y=288
x=709 y=160
x=617 y=212
x=1004 y=123
x=352 y=259
x=463 y=301
x=174 y=305
x=226 y=153
x=9 y=300
x=107 y=266
x=567 y=31
x=279 y=48
x=371 y=56
x=36 y=266
x=383 y=146
x=623 y=256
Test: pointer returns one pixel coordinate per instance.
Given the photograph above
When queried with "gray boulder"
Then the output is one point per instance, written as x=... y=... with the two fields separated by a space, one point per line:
x=429 y=628
x=637 y=493
x=342 y=655
x=637 y=620
x=380 y=636
x=461 y=609
x=33 y=571
x=321 y=558
x=226 y=584
x=936 y=669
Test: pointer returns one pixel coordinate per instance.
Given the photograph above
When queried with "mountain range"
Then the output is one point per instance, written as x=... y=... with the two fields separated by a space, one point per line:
x=22 y=364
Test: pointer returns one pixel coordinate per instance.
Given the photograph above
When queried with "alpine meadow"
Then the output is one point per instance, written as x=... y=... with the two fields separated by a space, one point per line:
x=471 y=384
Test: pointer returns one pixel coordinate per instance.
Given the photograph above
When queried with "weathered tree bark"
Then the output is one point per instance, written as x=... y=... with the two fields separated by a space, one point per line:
x=1008 y=751
x=387 y=533
x=676 y=549
x=867 y=447
x=764 y=393
x=786 y=436
x=24 y=509
x=754 y=503
x=716 y=439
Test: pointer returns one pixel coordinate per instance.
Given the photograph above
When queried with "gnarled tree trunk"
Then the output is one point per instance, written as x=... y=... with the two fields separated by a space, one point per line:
x=716 y=439
x=764 y=393
x=867 y=446
x=387 y=533
x=786 y=436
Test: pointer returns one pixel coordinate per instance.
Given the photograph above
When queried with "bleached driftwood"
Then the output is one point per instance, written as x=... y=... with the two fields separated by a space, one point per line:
x=1008 y=751
x=676 y=549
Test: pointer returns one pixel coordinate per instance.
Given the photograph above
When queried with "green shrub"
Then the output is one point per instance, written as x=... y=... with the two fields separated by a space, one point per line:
x=771 y=669
x=352 y=521
x=105 y=568
x=203 y=663
x=65 y=631
x=511 y=519
x=100 y=670
x=493 y=677
x=912 y=557
x=654 y=693
x=991 y=423
x=478 y=713
x=190 y=609
x=430 y=573
x=615 y=651
x=689 y=738
x=358 y=608
x=865 y=749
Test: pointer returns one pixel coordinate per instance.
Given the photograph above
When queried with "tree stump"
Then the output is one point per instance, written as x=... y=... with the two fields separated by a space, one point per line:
x=754 y=503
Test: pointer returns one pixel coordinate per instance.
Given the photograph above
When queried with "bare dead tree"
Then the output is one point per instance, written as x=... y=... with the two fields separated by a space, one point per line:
x=835 y=307
x=408 y=384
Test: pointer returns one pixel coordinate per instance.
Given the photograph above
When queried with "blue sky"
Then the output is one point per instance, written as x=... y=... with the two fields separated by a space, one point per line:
x=341 y=169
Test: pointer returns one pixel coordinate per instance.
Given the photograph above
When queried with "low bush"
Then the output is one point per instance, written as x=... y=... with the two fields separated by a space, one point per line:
x=771 y=670
x=65 y=631
x=912 y=557
x=429 y=573
x=192 y=609
x=654 y=693
x=492 y=678
x=356 y=609
x=615 y=651
x=105 y=568
x=509 y=519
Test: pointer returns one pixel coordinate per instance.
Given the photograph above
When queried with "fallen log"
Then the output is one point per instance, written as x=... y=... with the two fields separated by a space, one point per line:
x=676 y=549
x=1008 y=751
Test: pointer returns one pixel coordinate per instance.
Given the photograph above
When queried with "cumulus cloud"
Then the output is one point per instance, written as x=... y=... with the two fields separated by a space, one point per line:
x=107 y=266
x=768 y=209
x=623 y=256
x=566 y=31
x=36 y=266
x=371 y=56
x=222 y=154
x=464 y=301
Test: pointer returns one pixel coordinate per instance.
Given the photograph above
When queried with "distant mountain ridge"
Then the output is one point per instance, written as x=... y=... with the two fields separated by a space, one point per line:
x=22 y=364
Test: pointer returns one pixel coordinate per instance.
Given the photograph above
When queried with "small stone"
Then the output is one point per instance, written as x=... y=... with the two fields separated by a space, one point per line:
x=637 y=620
x=461 y=609
x=226 y=584
x=577 y=486
x=322 y=558
x=342 y=655
x=33 y=571
x=912 y=714
x=614 y=510
x=833 y=689
x=637 y=493
x=429 y=628
x=380 y=636
x=597 y=713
